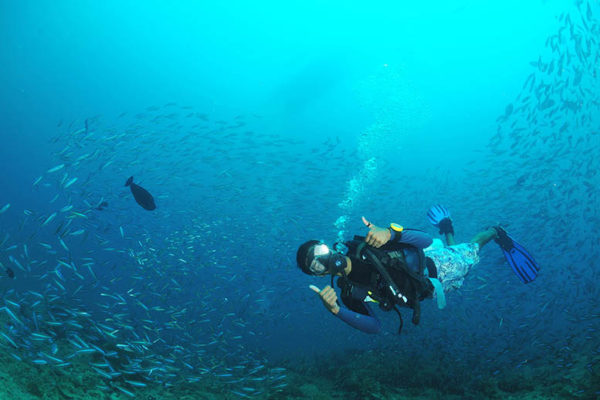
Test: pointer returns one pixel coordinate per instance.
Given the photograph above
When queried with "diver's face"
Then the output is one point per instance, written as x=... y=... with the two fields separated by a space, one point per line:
x=317 y=268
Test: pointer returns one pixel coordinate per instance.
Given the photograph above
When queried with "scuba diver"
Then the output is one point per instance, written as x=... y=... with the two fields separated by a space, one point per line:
x=400 y=267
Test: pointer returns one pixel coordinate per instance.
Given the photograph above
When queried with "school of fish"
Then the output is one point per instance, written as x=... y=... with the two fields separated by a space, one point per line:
x=143 y=298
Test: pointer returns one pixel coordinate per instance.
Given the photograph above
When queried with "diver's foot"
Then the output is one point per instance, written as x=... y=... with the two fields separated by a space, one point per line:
x=502 y=237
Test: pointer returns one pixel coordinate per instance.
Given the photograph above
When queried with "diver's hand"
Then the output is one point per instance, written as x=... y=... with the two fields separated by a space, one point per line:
x=377 y=236
x=328 y=297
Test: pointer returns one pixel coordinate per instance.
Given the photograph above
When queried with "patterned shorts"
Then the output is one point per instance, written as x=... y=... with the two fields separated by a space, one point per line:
x=453 y=263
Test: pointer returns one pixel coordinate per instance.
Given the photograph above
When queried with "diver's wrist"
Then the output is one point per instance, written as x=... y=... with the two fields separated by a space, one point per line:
x=395 y=230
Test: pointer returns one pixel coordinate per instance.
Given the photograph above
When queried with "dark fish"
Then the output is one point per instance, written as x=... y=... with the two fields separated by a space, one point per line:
x=141 y=195
x=10 y=273
x=546 y=104
x=102 y=205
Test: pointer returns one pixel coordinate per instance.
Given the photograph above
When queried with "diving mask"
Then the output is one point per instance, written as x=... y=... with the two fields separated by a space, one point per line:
x=325 y=261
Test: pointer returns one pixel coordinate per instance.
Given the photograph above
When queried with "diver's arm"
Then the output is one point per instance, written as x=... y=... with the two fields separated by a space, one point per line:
x=414 y=237
x=365 y=323
x=361 y=318
x=377 y=236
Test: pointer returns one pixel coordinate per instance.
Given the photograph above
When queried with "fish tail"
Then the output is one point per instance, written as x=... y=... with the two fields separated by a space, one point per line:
x=129 y=181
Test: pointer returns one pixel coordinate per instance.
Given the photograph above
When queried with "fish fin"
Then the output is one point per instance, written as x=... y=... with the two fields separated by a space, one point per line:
x=129 y=181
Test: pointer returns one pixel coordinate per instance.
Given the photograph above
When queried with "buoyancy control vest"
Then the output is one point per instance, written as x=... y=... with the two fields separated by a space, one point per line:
x=397 y=277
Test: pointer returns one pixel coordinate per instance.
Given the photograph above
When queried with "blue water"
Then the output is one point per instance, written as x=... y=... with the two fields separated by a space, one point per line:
x=257 y=126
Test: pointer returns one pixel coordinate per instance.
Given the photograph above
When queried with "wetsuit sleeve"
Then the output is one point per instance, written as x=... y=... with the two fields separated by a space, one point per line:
x=413 y=237
x=359 y=316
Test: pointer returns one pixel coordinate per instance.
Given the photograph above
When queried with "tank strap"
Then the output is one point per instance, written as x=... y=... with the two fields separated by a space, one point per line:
x=438 y=291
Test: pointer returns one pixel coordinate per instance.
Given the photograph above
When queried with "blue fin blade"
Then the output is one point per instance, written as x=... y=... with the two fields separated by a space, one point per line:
x=522 y=263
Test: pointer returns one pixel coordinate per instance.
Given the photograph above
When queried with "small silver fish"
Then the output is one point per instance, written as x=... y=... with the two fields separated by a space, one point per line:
x=72 y=181
x=57 y=168
x=49 y=219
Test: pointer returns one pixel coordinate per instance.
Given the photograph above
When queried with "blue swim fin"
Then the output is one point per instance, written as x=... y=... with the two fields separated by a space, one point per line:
x=517 y=257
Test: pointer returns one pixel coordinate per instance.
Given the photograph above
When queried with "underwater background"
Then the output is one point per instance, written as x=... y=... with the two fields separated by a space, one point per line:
x=257 y=126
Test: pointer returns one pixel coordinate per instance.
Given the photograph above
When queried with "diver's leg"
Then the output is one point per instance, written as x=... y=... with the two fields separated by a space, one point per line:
x=450 y=239
x=482 y=238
